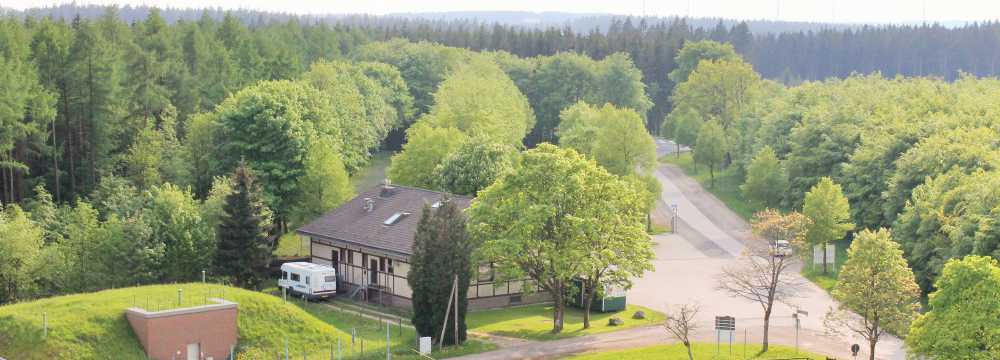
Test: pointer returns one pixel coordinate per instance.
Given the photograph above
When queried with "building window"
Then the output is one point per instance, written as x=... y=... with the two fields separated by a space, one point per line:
x=295 y=277
x=390 y=265
x=485 y=273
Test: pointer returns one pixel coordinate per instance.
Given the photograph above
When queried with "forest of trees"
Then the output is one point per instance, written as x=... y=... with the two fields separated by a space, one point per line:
x=917 y=155
x=108 y=126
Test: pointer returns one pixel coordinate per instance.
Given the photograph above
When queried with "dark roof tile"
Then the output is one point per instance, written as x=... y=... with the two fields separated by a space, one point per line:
x=351 y=223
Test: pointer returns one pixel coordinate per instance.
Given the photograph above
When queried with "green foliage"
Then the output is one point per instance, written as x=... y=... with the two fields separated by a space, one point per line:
x=968 y=149
x=540 y=220
x=950 y=216
x=566 y=78
x=877 y=285
x=710 y=148
x=473 y=166
x=961 y=322
x=244 y=252
x=442 y=250
x=175 y=220
x=722 y=90
x=693 y=52
x=425 y=149
x=20 y=253
x=766 y=181
x=600 y=133
x=829 y=214
x=360 y=107
x=271 y=125
x=324 y=186
x=504 y=116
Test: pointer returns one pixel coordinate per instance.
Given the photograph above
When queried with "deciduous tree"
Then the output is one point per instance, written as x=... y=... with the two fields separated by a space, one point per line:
x=710 y=149
x=877 y=285
x=540 y=221
x=766 y=180
x=829 y=213
x=962 y=315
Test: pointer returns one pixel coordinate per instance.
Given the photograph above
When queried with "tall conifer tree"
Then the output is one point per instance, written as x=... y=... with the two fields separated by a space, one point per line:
x=441 y=250
x=244 y=250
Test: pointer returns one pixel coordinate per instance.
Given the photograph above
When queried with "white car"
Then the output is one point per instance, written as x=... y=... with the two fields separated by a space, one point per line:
x=308 y=280
x=781 y=248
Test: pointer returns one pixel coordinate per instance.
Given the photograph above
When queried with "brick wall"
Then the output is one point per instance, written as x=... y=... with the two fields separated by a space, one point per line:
x=164 y=333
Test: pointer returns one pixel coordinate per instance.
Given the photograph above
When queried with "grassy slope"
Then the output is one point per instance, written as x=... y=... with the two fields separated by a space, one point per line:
x=374 y=174
x=535 y=321
x=699 y=350
x=727 y=189
x=93 y=325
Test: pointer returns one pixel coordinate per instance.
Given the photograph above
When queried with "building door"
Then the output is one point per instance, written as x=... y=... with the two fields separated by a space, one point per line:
x=373 y=270
x=194 y=352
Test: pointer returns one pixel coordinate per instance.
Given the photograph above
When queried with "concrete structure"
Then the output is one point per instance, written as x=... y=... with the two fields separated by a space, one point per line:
x=369 y=240
x=195 y=333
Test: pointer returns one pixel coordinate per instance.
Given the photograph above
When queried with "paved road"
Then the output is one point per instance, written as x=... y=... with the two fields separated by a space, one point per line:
x=709 y=236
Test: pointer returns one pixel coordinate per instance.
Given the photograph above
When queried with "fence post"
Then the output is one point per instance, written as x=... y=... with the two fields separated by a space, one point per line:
x=388 y=344
x=179 y=292
x=45 y=325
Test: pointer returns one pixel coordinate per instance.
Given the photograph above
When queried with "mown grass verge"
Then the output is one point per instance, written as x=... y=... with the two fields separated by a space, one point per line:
x=534 y=322
x=700 y=351
x=727 y=183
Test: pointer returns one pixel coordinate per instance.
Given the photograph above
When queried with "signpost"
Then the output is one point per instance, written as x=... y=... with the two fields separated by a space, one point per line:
x=855 y=349
x=673 y=218
x=797 y=326
x=724 y=325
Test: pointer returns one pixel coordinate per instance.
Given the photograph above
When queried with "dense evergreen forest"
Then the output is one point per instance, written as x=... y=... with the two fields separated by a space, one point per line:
x=118 y=139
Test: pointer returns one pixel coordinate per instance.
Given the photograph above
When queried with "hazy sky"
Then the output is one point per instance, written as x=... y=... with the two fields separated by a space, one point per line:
x=810 y=10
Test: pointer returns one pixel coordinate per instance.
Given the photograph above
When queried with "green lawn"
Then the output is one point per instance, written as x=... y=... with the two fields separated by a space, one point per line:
x=374 y=174
x=291 y=245
x=700 y=351
x=534 y=322
x=815 y=272
x=727 y=183
x=93 y=325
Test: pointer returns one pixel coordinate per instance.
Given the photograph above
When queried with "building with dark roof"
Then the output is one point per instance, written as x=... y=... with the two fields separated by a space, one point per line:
x=369 y=240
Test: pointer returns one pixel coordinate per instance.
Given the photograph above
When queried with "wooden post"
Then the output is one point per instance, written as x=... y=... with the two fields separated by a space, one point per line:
x=447 y=310
x=454 y=289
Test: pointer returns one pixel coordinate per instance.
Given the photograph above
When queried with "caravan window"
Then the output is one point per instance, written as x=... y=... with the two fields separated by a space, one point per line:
x=284 y=275
x=295 y=277
x=330 y=278
x=307 y=280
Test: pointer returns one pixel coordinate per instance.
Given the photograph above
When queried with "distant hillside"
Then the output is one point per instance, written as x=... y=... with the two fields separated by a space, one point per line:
x=93 y=326
x=579 y=22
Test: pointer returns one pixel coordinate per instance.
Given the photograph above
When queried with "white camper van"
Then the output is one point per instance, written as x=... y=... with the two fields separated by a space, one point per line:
x=308 y=280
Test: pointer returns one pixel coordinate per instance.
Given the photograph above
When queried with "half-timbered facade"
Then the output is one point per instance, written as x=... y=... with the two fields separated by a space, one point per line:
x=369 y=241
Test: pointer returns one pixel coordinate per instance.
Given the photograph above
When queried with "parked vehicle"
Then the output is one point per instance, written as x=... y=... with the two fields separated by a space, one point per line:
x=781 y=248
x=308 y=280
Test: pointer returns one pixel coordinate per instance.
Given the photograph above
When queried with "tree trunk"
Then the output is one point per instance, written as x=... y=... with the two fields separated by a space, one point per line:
x=871 y=348
x=687 y=344
x=557 y=312
x=678 y=152
x=711 y=174
x=767 y=324
x=588 y=299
